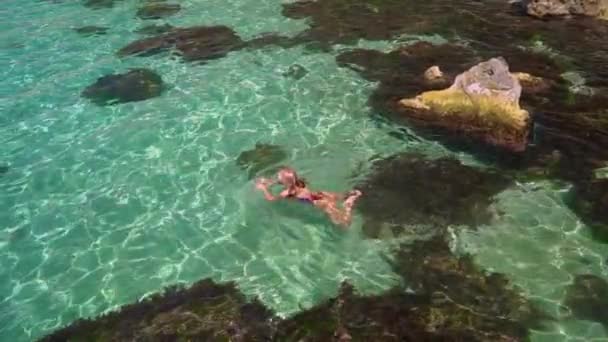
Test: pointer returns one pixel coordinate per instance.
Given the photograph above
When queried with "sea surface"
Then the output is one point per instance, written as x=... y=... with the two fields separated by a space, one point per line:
x=103 y=205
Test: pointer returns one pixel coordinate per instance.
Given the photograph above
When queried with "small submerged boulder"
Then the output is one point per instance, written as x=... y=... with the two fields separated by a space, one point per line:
x=483 y=103
x=414 y=195
x=151 y=30
x=157 y=10
x=197 y=43
x=262 y=157
x=97 y=4
x=546 y=8
x=295 y=71
x=91 y=30
x=587 y=297
x=134 y=85
x=4 y=169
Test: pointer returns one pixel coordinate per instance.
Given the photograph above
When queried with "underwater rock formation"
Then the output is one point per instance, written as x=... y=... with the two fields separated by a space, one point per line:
x=205 y=311
x=134 y=85
x=4 y=170
x=151 y=30
x=157 y=10
x=587 y=297
x=261 y=158
x=91 y=30
x=408 y=191
x=545 y=8
x=483 y=102
x=197 y=43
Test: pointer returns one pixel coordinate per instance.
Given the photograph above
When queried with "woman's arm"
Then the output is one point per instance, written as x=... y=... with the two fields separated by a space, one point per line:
x=262 y=185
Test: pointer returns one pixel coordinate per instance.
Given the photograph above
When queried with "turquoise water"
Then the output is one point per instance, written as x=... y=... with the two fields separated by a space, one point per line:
x=103 y=205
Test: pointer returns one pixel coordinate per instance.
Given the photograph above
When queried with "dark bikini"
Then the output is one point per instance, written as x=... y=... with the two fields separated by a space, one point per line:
x=311 y=200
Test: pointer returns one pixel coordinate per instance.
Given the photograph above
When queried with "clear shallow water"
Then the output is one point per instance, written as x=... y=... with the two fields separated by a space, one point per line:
x=103 y=205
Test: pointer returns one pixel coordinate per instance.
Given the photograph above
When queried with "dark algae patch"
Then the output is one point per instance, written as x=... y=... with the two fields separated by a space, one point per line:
x=151 y=30
x=453 y=301
x=587 y=298
x=91 y=30
x=192 y=44
x=134 y=85
x=98 y=4
x=263 y=157
x=407 y=192
x=590 y=200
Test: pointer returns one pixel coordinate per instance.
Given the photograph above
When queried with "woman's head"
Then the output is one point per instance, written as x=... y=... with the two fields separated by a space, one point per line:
x=288 y=177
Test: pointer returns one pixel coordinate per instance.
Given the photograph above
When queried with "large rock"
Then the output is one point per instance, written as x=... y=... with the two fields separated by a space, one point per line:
x=544 y=8
x=483 y=103
x=134 y=85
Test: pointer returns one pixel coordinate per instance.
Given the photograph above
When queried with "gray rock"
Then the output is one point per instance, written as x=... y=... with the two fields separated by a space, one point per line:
x=490 y=78
x=544 y=8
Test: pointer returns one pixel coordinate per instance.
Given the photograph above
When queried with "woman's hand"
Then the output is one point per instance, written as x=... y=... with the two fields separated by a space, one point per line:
x=263 y=183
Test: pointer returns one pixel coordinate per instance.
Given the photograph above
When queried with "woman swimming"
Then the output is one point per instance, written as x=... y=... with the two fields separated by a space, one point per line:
x=296 y=188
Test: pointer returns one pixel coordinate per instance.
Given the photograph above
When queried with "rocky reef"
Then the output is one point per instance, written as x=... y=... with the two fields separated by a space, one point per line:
x=205 y=311
x=587 y=298
x=452 y=300
x=410 y=194
x=134 y=85
x=263 y=157
x=483 y=103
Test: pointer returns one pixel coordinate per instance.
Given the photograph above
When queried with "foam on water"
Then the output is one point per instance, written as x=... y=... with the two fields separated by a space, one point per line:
x=103 y=205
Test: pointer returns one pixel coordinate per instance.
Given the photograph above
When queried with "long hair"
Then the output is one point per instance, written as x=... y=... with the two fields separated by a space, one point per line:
x=297 y=180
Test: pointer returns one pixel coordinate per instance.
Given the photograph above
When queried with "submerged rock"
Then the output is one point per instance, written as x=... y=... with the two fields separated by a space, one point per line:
x=260 y=158
x=296 y=71
x=408 y=191
x=482 y=102
x=590 y=201
x=134 y=85
x=4 y=170
x=205 y=311
x=544 y=8
x=194 y=44
x=587 y=297
x=97 y=4
x=157 y=10
x=91 y=30
x=155 y=29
